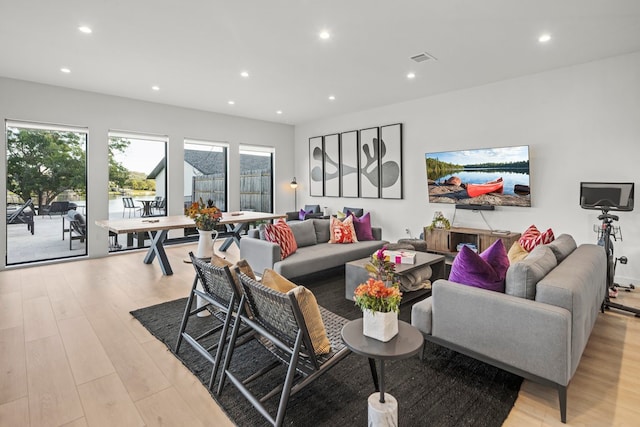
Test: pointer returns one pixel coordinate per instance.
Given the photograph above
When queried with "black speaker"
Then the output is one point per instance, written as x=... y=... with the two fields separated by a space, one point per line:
x=477 y=207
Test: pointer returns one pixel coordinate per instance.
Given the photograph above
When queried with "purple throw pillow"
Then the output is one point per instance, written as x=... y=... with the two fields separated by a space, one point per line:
x=486 y=271
x=303 y=214
x=363 y=227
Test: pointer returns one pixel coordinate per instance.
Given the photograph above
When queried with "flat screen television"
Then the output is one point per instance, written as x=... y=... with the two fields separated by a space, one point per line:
x=617 y=196
x=480 y=177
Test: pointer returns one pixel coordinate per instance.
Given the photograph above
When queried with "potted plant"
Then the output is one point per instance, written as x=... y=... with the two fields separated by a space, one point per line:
x=378 y=301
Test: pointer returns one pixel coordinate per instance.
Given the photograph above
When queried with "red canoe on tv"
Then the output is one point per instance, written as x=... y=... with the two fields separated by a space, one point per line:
x=475 y=190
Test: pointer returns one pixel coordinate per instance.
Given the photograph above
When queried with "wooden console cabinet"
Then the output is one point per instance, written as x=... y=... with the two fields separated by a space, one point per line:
x=446 y=242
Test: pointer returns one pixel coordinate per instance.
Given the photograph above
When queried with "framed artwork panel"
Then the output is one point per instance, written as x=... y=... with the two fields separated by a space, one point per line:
x=332 y=165
x=316 y=166
x=391 y=161
x=369 y=163
x=349 y=164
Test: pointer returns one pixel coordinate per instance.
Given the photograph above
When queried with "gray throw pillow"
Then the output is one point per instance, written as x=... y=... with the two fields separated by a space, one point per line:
x=562 y=246
x=523 y=276
x=323 y=233
x=304 y=232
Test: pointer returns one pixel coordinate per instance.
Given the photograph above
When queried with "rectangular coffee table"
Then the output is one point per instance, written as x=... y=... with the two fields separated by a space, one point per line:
x=356 y=273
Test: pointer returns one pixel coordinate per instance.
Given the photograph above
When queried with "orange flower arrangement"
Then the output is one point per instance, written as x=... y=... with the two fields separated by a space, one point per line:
x=375 y=296
x=206 y=216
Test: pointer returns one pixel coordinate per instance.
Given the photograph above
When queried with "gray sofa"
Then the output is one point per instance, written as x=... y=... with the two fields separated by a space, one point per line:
x=314 y=253
x=538 y=328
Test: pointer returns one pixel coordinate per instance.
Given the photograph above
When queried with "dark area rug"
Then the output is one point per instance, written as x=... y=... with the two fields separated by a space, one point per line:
x=444 y=389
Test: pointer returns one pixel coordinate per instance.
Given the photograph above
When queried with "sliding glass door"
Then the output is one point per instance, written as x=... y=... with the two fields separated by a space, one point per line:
x=46 y=192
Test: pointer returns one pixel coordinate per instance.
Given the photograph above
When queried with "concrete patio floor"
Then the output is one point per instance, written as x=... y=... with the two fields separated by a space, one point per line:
x=46 y=243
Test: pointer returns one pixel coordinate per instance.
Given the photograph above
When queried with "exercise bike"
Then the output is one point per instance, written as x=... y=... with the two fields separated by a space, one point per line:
x=606 y=197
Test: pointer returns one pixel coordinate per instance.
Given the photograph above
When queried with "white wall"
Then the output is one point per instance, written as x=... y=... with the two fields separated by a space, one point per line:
x=21 y=100
x=582 y=124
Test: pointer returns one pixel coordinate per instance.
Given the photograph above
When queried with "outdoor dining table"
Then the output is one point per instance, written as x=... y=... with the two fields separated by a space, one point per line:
x=158 y=227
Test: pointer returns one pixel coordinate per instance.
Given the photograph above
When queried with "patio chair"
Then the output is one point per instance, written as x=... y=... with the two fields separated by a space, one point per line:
x=130 y=206
x=22 y=215
x=77 y=227
x=222 y=297
x=281 y=328
x=159 y=204
x=56 y=208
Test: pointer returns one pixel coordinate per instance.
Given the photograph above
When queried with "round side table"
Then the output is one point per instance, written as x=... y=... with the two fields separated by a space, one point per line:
x=383 y=409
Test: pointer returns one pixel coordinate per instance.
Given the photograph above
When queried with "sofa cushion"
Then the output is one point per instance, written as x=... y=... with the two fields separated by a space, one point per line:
x=308 y=306
x=343 y=232
x=486 y=271
x=562 y=246
x=312 y=208
x=516 y=253
x=304 y=232
x=281 y=234
x=532 y=238
x=362 y=226
x=523 y=276
x=322 y=229
x=355 y=211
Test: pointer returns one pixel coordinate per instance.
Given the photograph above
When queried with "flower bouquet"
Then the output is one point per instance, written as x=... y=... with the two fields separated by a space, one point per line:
x=206 y=216
x=380 y=305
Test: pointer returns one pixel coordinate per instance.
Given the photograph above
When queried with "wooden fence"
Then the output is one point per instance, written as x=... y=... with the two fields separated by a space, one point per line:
x=256 y=190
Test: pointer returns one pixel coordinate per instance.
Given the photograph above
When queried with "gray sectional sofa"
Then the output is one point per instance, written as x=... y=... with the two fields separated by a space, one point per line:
x=538 y=328
x=314 y=253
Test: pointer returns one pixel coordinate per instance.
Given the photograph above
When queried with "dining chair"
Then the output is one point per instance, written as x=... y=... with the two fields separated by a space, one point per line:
x=131 y=206
x=221 y=298
x=281 y=329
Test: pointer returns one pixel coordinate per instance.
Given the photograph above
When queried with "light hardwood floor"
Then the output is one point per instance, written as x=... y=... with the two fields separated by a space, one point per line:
x=72 y=355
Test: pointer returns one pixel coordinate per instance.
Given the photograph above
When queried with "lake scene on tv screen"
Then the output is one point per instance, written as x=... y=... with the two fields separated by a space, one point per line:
x=488 y=176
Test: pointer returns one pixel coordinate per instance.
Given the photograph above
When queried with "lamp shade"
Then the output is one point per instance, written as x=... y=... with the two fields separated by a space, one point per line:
x=294 y=183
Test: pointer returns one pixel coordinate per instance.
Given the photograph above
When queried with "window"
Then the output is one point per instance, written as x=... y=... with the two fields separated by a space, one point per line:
x=46 y=192
x=256 y=178
x=205 y=172
x=137 y=182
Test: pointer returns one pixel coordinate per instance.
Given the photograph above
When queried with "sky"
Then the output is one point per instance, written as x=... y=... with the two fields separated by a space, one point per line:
x=466 y=157
x=142 y=155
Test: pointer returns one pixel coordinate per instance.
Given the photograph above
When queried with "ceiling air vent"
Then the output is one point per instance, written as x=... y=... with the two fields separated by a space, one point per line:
x=422 y=57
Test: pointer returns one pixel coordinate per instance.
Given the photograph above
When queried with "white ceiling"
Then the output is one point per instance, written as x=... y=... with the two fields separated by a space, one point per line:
x=195 y=49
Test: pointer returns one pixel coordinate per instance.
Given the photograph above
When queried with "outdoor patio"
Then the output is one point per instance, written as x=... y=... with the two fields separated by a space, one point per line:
x=46 y=243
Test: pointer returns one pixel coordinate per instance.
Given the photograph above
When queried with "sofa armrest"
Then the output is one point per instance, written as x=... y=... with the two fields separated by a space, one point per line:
x=376 y=232
x=260 y=254
x=522 y=333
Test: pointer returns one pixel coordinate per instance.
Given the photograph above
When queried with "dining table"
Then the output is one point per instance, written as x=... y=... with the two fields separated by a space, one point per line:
x=159 y=226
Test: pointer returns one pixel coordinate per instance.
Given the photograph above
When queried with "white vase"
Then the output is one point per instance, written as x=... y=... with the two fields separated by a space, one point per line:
x=380 y=326
x=205 y=243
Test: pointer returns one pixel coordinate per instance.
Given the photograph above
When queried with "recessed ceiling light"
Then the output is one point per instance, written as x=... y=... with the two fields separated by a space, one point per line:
x=324 y=35
x=231 y=102
x=244 y=74
x=279 y=112
x=156 y=88
x=85 y=29
x=411 y=75
x=544 y=38
x=332 y=98
x=65 y=70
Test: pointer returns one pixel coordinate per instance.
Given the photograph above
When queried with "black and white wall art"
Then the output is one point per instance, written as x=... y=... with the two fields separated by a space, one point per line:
x=390 y=151
x=332 y=165
x=369 y=163
x=316 y=172
x=349 y=163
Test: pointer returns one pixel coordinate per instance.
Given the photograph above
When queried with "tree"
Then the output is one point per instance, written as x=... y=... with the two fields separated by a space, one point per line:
x=43 y=164
x=117 y=172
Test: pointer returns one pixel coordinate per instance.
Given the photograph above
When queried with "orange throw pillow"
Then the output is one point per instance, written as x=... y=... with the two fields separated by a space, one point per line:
x=342 y=231
x=281 y=234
